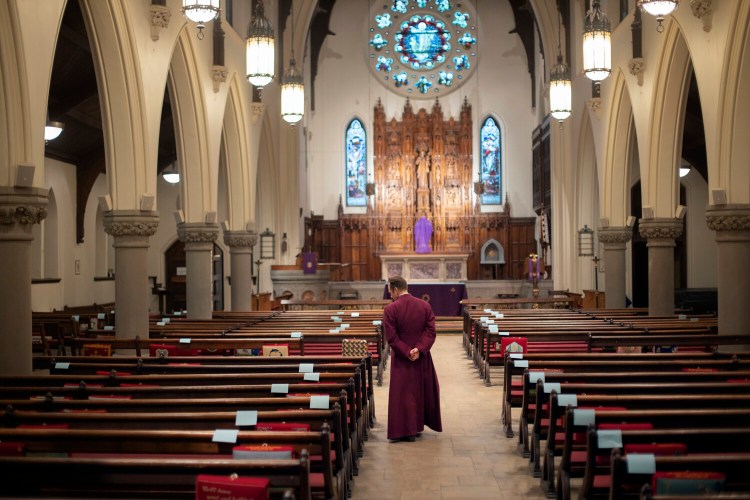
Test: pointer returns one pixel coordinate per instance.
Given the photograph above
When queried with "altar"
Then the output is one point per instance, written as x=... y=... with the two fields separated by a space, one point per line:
x=424 y=268
x=444 y=298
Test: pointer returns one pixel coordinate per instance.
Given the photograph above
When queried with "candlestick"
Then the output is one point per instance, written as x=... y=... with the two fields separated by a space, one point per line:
x=538 y=264
x=531 y=269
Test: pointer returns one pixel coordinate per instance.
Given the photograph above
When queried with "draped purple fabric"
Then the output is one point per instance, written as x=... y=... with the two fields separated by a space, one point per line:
x=414 y=394
x=422 y=235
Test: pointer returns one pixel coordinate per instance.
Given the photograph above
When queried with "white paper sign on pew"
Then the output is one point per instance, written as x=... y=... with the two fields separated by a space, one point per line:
x=377 y=322
x=184 y=341
x=312 y=377
x=246 y=417
x=521 y=363
x=641 y=463
x=225 y=436
x=493 y=328
x=355 y=315
x=306 y=367
x=567 y=400
x=296 y=335
x=584 y=417
x=534 y=377
x=609 y=438
x=517 y=355
x=551 y=386
x=320 y=402
x=279 y=388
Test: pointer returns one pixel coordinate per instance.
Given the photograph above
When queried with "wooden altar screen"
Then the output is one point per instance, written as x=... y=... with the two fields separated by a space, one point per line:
x=422 y=167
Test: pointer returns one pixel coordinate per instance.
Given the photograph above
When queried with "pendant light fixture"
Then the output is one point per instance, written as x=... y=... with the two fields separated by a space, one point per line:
x=52 y=130
x=659 y=9
x=560 y=89
x=292 y=88
x=597 y=45
x=260 y=48
x=200 y=12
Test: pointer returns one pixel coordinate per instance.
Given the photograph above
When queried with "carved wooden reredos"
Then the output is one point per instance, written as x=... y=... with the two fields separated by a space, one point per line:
x=422 y=167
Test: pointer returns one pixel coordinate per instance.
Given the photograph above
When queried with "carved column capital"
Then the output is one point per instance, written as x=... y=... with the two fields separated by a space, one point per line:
x=218 y=76
x=615 y=235
x=595 y=103
x=660 y=232
x=731 y=222
x=637 y=67
x=20 y=209
x=703 y=9
x=257 y=110
x=160 y=15
x=239 y=239
x=131 y=228
x=197 y=233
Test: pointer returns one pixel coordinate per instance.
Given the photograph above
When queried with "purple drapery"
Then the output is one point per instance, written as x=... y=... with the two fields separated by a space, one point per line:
x=309 y=263
x=422 y=234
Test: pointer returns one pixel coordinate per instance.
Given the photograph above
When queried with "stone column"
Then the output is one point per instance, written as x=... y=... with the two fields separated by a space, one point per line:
x=20 y=209
x=199 y=241
x=660 y=235
x=131 y=230
x=615 y=240
x=240 y=245
x=732 y=226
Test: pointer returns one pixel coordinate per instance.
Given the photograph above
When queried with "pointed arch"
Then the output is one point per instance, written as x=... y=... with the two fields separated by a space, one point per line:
x=659 y=180
x=587 y=200
x=197 y=184
x=240 y=173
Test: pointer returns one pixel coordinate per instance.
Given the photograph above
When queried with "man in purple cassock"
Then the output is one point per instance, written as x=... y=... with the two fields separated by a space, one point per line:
x=414 y=394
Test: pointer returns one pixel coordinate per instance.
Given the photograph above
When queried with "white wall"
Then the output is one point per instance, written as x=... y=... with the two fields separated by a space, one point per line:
x=344 y=88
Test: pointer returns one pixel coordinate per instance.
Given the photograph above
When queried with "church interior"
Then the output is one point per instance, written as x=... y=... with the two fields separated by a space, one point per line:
x=530 y=167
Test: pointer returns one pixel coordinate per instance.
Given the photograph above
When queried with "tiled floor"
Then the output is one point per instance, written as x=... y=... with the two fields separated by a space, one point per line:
x=471 y=458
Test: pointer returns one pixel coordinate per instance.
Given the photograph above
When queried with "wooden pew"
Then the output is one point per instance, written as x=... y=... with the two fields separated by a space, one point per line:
x=141 y=477
x=179 y=444
x=594 y=467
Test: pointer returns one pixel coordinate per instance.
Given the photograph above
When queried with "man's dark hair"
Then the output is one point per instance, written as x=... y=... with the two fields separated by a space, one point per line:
x=397 y=282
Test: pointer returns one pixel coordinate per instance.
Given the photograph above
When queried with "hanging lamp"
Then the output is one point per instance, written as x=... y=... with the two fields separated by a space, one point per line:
x=292 y=89
x=560 y=88
x=659 y=9
x=260 y=48
x=200 y=12
x=597 y=45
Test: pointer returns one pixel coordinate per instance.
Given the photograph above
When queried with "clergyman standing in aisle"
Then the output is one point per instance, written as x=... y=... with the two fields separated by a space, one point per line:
x=414 y=393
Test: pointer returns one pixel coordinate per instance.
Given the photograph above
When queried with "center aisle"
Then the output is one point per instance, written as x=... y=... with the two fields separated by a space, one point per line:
x=471 y=458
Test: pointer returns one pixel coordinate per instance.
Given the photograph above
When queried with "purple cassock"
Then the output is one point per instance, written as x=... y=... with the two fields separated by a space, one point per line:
x=414 y=395
x=422 y=234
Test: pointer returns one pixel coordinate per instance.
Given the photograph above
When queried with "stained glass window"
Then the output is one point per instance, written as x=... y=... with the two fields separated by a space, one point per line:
x=490 y=167
x=422 y=48
x=356 y=164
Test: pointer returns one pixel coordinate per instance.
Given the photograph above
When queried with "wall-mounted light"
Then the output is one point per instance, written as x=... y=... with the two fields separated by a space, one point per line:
x=597 y=45
x=585 y=241
x=259 y=51
x=201 y=12
x=659 y=9
x=52 y=130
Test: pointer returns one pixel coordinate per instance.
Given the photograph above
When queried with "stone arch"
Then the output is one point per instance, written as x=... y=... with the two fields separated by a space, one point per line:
x=615 y=188
x=240 y=175
x=659 y=180
x=197 y=179
x=586 y=200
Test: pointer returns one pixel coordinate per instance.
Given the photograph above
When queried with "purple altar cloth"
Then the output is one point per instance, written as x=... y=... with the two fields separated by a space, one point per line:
x=445 y=298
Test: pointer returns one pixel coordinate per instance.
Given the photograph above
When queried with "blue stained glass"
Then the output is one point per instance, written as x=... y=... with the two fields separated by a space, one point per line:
x=490 y=173
x=384 y=64
x=399 y=6
x=356 y=164
x=461 y=62
x=445 y=78
x=421 y=4
x=378 y=42
x=423 y=85
x=384 y=20
x=443 y=5
x=422 y=42
x=401 y=79
x=460 y=19
x=467 y=40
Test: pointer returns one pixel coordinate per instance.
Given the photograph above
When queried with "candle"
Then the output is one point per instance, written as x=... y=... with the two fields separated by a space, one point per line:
x=538 y=267
x=530 y=269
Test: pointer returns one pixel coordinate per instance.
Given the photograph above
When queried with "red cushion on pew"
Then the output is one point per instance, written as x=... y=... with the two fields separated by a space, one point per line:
x=43 y=426
x=155 y=350
x=578 y=457
x=602 y=482
x=514 y=345
x=660 y=449
x=11 y=449
x=281 y=427
x=90 y=386
x=111 y=396
x=191 y=456
x=263 y=452
x=687 y=482
x=117 y=374
x=317 y=480
x=247 y=488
